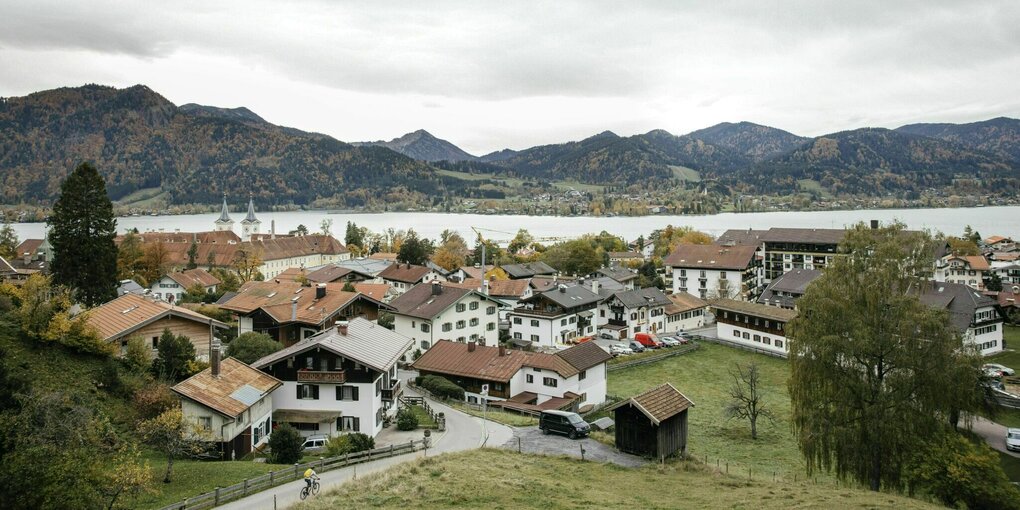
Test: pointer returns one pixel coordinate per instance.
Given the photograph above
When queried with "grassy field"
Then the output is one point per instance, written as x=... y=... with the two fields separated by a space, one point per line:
x=813 y=185
x=144 y=198
x=684 y=173
x=424 y=420
x=192 y=477
x=501 y=479
x=703 y=376
x=1010 y=358
x=514 y=182
x=506 y=418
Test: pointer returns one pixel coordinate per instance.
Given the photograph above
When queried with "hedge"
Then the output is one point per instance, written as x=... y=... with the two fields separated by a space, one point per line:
x=441 y=387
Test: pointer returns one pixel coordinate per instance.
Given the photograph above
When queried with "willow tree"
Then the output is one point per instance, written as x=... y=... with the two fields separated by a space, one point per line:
x=874 y=371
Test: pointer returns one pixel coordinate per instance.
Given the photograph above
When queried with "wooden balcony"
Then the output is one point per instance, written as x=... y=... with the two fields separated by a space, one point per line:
x=393 y=392
x=320 y=376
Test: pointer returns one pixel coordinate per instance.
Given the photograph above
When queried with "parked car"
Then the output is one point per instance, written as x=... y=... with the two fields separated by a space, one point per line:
x=583 y=339
x=620 y=350
x=683 y=338
x=1013 y=440
x=1001 y=368
x=669 y=341
x=636 y=347
x=608 y=336
x=314 y=443
x=991 y=372
x=646 y=341
x=563 y=422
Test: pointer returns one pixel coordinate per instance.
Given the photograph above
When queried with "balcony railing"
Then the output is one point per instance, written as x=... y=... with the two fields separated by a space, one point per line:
x=393 y=392
x=615 y=322
x=322 y=376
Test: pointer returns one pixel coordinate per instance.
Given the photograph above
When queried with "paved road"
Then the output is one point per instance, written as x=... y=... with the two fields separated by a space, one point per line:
x=994 y=434
x=533 y=440
x=463 y=432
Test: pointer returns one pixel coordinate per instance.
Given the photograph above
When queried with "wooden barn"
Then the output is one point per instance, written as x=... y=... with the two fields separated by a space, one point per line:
x=654 y=423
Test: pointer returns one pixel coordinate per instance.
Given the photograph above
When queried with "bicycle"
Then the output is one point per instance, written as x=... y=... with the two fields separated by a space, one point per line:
x=312 y=489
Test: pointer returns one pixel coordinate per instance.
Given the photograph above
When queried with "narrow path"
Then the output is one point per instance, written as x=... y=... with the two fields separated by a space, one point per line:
x=993 y=433
x=463 y=432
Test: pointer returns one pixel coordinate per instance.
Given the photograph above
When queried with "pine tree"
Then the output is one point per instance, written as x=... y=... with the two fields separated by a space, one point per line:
x=82 y=229
x=192 y=256
x=8 y=241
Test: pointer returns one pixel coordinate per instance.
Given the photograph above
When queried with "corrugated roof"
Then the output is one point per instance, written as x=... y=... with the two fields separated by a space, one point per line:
x=406 y=273
x=365 y=342
x=236 y=388
x=129 y=312
x=710 y=256
x=658 y=404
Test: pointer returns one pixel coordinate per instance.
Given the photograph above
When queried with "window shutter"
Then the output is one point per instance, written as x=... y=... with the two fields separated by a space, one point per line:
x=315 y=392
x=355 y=394
x=339 y=392
x=299 y=390
x=357 y=423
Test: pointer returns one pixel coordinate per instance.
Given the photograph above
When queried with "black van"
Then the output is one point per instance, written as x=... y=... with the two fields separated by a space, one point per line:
x=563 y=422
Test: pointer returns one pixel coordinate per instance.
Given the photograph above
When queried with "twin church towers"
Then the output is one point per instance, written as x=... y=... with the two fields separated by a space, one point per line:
x=249 y=225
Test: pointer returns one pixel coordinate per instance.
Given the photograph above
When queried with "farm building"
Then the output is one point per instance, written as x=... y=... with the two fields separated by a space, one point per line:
x=654 y=423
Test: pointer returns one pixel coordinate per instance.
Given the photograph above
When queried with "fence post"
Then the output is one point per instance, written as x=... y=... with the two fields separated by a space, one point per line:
x=391 y=450
x=271 y=476
x=216 y=498
x=245 y=487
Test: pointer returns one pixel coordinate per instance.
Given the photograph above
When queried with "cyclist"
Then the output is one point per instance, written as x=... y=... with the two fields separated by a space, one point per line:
x=309 y=476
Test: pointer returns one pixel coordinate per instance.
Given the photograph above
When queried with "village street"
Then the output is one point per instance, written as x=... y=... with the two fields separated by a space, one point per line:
x=993 y=433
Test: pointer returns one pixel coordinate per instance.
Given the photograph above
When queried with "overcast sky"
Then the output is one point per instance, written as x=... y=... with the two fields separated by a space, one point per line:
x=489 y=75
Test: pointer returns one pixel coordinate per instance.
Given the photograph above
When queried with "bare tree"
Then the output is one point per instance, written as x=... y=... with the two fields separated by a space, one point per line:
x=748 y=398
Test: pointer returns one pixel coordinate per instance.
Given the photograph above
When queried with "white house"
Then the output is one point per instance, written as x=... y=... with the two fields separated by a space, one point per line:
x=402 y=277
x=753 y=325
x=430 y=312
x=969 y=270
x=570 y=379
x=710 y=271
x=551 y=318
x=341 y=380
x=232 y=403
x=172 y=287
x=975 y=315
x=684 y=312
x=633 y=311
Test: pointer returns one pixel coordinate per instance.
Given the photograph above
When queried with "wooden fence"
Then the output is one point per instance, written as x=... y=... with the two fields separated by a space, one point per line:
x=757 y=350
x=666 y=353
x=269 y=480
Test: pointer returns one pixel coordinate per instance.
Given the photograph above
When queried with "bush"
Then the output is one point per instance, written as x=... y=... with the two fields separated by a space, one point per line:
x=441 y=387
x=406 y=419
x=956 y=470
x=286 y=445
x=252 y=346
x=138 y=355
x=349 y=443
x=175 y=352
x=150 y=401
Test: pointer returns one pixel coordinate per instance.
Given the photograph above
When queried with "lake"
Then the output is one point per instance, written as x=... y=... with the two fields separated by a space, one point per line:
x=988 y=221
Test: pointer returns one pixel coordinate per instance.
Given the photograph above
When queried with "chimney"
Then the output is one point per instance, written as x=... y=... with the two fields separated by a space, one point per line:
x=563 y=288
x=437 y=288
x=341 y=327
x=595 y=286
x=874 y=224
x=471 y=346
x=502 y=351
x=320 y=291
x=214 y=356
x=272 y=229
x=293 y=308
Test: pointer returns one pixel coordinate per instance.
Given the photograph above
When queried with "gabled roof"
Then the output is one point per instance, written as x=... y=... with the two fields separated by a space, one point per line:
x=332 y=272
x=567 y=296
x=683 y=302
x=794 y=281
x=658 y=404
x=508 y=288
x=28 y=247
x=528 y=269
x=405 y=273
x=275 y=299
x=975 y=262
x=129 y=312
x=476 y=272
x=192 y=277
x=367 y=266
x=637 y=298
x=625 y=255
x=289 y=247
x=6 y=267
x=710 y=256
x=387 y=256
x=421 y=300
x=365 y=342
x=456 y=358
x=959 y=300
x=237 y=388
x=620 y=274
x=739 y=237
x=376 y=291
x=755 y=309
x=585 y=355
x=997 y=239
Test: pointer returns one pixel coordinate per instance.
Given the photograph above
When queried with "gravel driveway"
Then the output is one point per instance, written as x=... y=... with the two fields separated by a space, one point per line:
x=533 y=441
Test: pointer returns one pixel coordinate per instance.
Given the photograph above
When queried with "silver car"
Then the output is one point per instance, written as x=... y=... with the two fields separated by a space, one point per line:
x=1013 y=440
x=620 y=350
x=995 y=367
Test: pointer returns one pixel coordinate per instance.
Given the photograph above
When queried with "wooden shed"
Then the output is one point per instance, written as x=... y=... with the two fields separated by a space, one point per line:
x=654 y=423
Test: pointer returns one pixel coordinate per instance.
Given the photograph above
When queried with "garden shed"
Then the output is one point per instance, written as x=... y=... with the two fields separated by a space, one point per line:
x=654 y=423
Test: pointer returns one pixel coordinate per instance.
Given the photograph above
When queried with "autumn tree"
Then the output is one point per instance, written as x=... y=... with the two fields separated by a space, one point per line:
x=956 y=470
x=748 y=398
x=577 y=257
x=522 y=240
x=414 y=249
x=452 y=254
x=82 y=229
x=174 y=436
x=247 y=261
x=155 y=262
x=670 y=237
x=8 y=241
x=129 y=259
x=252 y=346
x=961 y=246
x=874 y=371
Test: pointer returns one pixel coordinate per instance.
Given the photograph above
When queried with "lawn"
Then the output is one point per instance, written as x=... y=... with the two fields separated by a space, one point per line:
x=703 y=376
x=503 y=479
x=1010 y=358
x=684 y=173
x=506 y=418
x=193 y=477
x=424 y=420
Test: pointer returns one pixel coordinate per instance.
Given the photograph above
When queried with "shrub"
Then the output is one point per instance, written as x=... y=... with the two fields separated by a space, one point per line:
x=175 y=353
x=406 y=419
x=441 y=387
x=286 y=445
x=138 y=355
x=349 y=443
x=251 y=346
x=151 y=400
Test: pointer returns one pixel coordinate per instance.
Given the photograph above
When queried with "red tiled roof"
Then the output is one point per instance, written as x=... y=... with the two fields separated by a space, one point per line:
x=275 y=299
x=191 y=277
x=709 y=256
x=406 y=273
x=508 y=288
x=453 y=358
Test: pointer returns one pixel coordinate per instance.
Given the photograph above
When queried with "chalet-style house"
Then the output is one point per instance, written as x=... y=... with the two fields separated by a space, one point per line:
x=998 y=243
x=290 y=311
x=230 y=402
x=1008 y=272
x=9 y=273
x=528 y=270
x=570 y=379
x=969 y=270
x=628 y=312
x=551 y=318
x=343 y=379
x=476 y=272
x=435 y=311
x=328 y=273
x=132 y=315
x=684 y=312
x=711 y=271
x=624 y=276
x=402 y=276
x=751 y=324
x=652 y=424
x=30 y=256
x=172 y=287
x=625 y=257
x=509 y=292
x=976 y=316
x=785 y=290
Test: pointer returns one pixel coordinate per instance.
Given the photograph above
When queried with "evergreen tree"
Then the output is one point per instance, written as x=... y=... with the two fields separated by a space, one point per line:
x=82 y=229
x=354 y=235
x=192 y=256
x=415 y=250
x=8 y=241
x=174 y=358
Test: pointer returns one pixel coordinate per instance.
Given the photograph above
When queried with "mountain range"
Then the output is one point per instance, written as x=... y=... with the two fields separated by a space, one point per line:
x=194 y=153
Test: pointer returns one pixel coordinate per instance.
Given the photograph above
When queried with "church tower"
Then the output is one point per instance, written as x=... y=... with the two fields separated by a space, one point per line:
x=224 y=222
x=250 y=224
